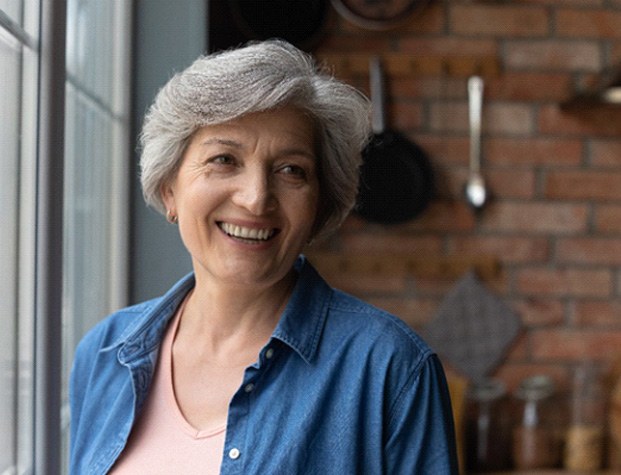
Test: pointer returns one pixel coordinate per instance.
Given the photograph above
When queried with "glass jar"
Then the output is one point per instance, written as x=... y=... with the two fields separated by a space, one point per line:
x=536 y=442
x=584 y=442
x=487 y=427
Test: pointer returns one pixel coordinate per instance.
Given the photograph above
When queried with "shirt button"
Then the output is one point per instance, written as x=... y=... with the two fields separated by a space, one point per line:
x=249 y=388
x=234 y=454
x=269 y=353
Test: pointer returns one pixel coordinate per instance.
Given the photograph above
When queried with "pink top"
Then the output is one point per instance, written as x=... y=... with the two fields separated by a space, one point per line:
x=162 y=441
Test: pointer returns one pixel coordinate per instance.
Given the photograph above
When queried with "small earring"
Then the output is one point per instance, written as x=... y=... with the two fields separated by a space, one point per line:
x=171 y=217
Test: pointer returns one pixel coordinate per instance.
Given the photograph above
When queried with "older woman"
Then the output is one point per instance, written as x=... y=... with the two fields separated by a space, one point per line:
x=253 y=364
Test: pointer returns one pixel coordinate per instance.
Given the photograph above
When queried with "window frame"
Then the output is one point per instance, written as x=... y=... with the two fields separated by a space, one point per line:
x=39 y=30
x=49 y=239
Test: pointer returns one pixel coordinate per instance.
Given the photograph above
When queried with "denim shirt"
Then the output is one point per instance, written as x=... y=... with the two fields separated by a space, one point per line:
x=340 y=388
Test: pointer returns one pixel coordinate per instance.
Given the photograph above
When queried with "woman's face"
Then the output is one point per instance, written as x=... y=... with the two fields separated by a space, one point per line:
x=246 y=195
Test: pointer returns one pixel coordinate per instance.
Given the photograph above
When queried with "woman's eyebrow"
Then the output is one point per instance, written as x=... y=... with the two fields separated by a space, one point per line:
x=221 y=141
x=235 y=144
x=299 y=152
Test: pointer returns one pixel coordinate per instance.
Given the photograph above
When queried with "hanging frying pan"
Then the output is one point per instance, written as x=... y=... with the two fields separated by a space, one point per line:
x=300 y=22
x=378 y=15
x=396 y=182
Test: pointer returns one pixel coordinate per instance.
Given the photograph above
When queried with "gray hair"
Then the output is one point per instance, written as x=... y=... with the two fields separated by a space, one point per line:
x=258 y=77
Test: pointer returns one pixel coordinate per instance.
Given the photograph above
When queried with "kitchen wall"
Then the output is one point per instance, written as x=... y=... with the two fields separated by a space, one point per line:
x=554 y=222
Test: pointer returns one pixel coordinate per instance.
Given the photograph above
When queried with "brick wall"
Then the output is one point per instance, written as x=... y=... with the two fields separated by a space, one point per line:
x=555 y=219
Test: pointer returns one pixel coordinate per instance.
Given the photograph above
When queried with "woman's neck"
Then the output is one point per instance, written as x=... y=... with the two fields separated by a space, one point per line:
x=225 y=319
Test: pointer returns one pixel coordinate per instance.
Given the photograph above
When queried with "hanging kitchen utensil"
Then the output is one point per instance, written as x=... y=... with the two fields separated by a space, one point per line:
x=475 y=188
x=378 y=15
x=396 y=178
x=300 y=22
x=473 y=328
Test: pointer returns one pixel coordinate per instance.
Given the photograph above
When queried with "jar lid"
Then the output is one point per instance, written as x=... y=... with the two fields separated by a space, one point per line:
x=535 y=388
x=486 y=390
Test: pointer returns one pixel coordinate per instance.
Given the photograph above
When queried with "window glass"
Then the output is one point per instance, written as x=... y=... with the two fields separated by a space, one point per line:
x=13 y=9
x=91 y=60
x=88 y=187
x=10 y=53
x=96 y=169
x=96 y=190
x=96 y=161
x=18 y=104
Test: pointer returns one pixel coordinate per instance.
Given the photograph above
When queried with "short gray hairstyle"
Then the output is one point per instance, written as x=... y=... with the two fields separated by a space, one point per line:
x=258 y=77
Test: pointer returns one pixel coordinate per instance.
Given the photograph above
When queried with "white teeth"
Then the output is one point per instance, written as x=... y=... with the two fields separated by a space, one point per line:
x=246 y=233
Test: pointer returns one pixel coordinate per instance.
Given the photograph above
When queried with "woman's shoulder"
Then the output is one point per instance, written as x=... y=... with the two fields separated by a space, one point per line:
x=110 y=329
x=385 y=330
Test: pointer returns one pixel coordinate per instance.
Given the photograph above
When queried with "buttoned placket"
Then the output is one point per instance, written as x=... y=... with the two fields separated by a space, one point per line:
x=235 y=448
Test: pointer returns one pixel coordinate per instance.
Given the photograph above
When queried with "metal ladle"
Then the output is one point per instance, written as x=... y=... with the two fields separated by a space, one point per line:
x=475 y=189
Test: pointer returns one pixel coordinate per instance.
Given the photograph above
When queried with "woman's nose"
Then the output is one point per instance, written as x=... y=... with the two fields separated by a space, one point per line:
x=255 y=193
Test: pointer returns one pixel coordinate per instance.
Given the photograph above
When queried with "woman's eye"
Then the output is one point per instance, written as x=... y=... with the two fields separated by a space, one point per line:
x=221 y=160
x=294 y=171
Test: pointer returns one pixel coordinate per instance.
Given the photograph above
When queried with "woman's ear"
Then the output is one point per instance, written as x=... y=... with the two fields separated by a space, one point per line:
x=167 y=195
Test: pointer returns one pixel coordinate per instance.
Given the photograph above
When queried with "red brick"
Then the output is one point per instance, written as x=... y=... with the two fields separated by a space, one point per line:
x=564 y=282
x=530 y=86
x=502 y=184
x=449 y=117
x=579 y=184
x=405 y=116
x=341 y=43
x=573 y=3
x=505 y=20
x=449 y=182
x=365 y=285
x=535 y=217
x=586 y=123
x=430 y=287
x=608 y=218
x=505 y=184
x=387 y=242
x=606 y=251
x=447 y=46
x=606 y=153
x=553 y=55
x=505 y=118
x=445 y=216
x=508 y=249
x=518 y=350
x=447 y=151
x=416 y=312
x=537 y=312
x=431 y=20
x=533 y=152
x=588 y=24
x=427 y=87
x=606 y=313
x=570 y=344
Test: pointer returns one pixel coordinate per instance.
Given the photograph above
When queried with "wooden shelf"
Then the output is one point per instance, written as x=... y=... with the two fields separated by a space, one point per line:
x=387 y=264
x=400 y=64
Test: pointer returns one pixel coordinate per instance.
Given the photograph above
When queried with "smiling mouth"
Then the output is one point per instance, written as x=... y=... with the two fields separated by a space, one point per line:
x=247 y=234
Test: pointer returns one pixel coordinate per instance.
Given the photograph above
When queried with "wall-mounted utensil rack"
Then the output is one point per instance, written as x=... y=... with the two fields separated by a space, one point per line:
x=390 y=264
x=402 y=64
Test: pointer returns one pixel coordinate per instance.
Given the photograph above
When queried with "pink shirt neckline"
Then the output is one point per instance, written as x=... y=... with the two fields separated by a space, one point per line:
x=162 y=441
x=167 y=368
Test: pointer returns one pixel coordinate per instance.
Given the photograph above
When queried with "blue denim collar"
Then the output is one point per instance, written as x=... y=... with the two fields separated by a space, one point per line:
x=299 y=327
